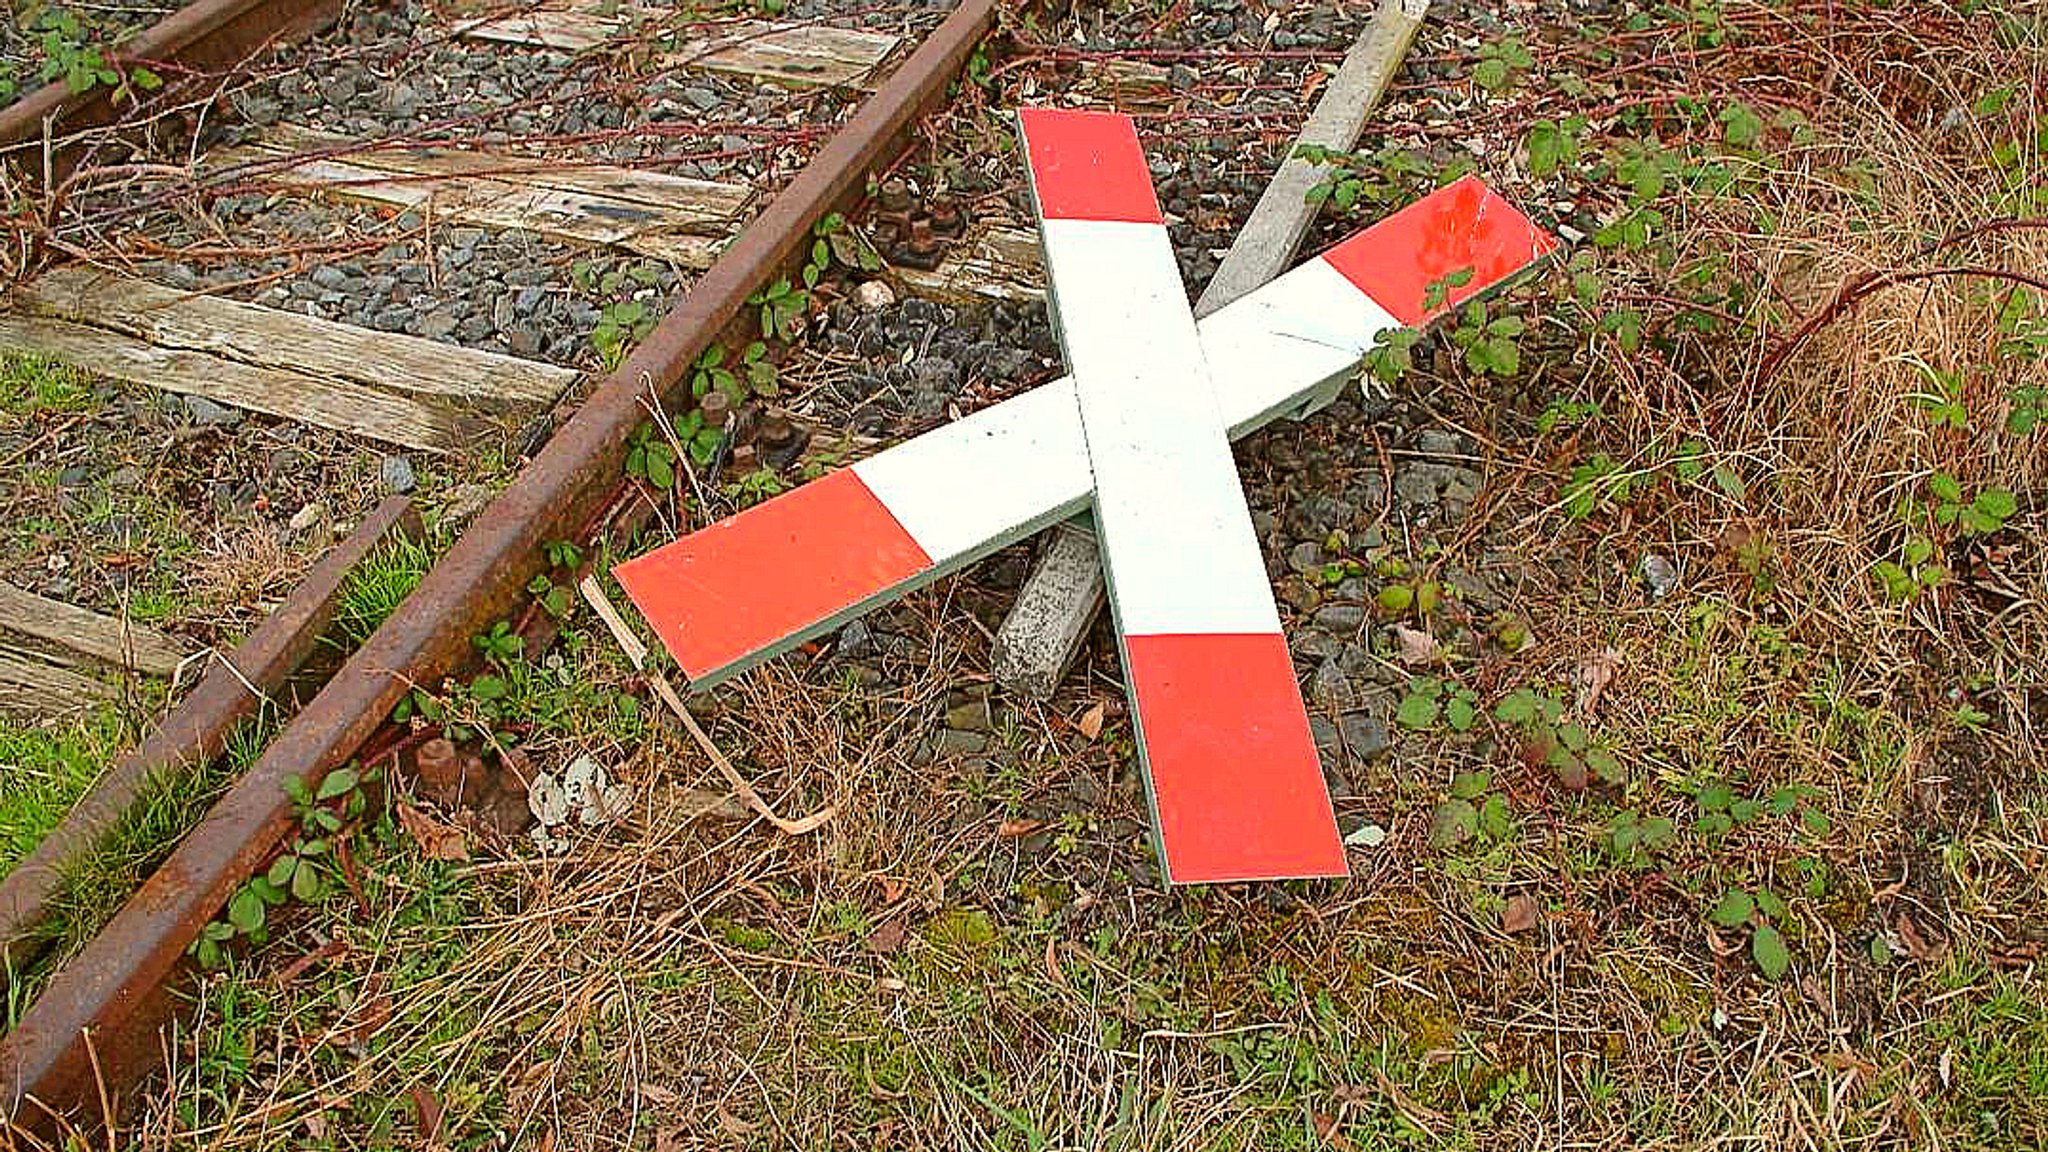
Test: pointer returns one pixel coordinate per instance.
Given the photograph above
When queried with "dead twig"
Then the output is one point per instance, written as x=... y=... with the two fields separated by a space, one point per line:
x=637 y=653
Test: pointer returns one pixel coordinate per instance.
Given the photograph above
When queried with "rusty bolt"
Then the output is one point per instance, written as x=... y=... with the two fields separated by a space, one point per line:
x=438 y=767
x=717 y=408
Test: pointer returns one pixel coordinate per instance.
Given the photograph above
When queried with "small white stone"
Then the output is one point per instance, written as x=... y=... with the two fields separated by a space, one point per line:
x=873 y=295
x=546 y=800
x=308 y=516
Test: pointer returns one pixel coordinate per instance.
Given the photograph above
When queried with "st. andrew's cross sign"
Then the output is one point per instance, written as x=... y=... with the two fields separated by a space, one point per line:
x=1141 y=433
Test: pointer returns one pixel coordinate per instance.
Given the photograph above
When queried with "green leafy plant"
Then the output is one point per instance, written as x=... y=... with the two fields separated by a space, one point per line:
x=1437 y=293
x=2022 y=329
x=1501 y=63
x=1723 y=810
x=555 y=599
x=1473 y=809
x=1553 y=145
x=302 y=872
x=1489 y=342
x=1567 y=414
x=1759 y=914
x=1373 y=179
x=1391 y=356
x=1548 y=738
x=782 y=306
x=1598 y=480
x=72 y=54
x=1943 y=398
x=1430 y=698
x=1407 y=594
x=756 y=486
x=833 y=241
x=2029 y=409
x=753 y=375
x=1741 y=127
x=699 y=439
x=1634 y=840
x=1980 y=515
x=980 y=69
x=1915 y=572
x=1336 y=571
x=649 y=457
x=501 y=645
x=620 y=324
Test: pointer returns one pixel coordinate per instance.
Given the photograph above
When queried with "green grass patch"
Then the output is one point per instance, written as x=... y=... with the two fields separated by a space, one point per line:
x=378 y=586
x=36 y=386
x=43 y=770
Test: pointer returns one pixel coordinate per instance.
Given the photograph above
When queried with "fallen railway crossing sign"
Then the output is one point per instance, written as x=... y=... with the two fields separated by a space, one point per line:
x=1139 y=433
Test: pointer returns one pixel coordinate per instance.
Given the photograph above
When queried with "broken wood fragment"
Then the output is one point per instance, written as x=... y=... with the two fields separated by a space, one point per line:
x=111 y=640
x=675 y=218
x=386 y=386
x=795 y=54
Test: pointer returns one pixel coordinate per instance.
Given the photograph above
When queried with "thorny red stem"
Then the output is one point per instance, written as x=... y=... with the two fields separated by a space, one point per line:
x=1859 y=288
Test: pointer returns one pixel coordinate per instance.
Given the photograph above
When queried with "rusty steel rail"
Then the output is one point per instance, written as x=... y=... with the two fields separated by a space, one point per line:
x=193 y=733
x=92 y=1029
x=193 y=49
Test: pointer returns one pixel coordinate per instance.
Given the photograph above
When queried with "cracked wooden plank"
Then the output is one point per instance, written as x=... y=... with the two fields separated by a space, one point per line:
x=993 y=262
x=270 y=338
x=30 y=687
x=795 y=54
x=123 y=643
x=675 y=218
x=392 y=417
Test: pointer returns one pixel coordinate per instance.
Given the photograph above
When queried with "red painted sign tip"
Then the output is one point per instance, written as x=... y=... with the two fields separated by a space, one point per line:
x=1236 y=779
x=1087 y=166
x=718 y=596
x=1463 y=239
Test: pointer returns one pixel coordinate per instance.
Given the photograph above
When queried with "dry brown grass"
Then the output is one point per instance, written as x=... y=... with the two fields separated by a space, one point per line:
x=974 y=953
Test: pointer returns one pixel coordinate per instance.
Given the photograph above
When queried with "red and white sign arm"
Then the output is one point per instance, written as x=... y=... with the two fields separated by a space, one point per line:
x=724 y=598
x=1236 y=784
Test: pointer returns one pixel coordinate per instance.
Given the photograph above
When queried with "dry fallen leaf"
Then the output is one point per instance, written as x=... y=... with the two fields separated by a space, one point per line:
x=372 y=1014
x=1916 y=944
x=1592 y=679
x=546 y=800
x=1519 y=915
x=888 y=937
x=427 y=1109
x=656 y=1094
x=1328 y=1131
x=1417 y=647
x=733 y=1125
x=437 y=841
x=1013 y=829
x=1090 y=722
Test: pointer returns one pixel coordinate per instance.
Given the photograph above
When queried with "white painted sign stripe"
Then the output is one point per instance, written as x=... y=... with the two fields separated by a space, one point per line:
x=1178 y=543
